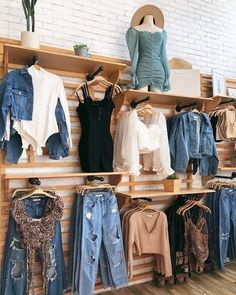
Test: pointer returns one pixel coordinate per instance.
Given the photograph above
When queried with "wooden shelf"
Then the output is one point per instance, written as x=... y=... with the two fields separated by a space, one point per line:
x=60 y=175
x=227 y=168
x=157 y=98
x=60 y=61
x=158 y=193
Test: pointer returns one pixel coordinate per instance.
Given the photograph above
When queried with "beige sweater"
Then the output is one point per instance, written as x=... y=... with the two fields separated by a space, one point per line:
x=148 y=232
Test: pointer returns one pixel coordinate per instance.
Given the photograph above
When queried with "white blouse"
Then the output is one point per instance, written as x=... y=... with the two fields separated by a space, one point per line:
x=148 y=137
x=47 y=89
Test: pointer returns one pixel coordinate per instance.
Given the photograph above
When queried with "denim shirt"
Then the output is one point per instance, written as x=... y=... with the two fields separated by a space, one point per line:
x=191 y=136
x=17 y=98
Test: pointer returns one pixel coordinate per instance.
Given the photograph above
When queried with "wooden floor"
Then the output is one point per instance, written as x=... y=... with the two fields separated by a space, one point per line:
x=210 y=283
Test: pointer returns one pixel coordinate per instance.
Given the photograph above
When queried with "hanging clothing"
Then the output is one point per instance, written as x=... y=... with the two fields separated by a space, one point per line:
x=149 y=63
x=196 y=241
x=191 y=137
x=97 y=241
x=20 y=103
x=34 y=228
x=222 y=225
x=47 y=89
x=96 y=143
x=146 y=232
x=148 y=138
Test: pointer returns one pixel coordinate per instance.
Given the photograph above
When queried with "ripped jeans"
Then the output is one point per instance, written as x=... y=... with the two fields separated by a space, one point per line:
x=14 y=273
x=100 y=244
x=227 y=223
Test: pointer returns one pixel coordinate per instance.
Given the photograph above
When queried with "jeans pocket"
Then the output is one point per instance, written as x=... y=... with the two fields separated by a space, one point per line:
x=17 y=258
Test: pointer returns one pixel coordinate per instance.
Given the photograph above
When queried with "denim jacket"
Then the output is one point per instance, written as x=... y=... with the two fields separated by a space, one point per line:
x=191 y=137
x=16 y=99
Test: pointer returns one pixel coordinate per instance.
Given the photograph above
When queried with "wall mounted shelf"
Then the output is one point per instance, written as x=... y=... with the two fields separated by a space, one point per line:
x=60 y=175
x=157 y=98
x=227 y=168
x=159 y=193
x=18 y=55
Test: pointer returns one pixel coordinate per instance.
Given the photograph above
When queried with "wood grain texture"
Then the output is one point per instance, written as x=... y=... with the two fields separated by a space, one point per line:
x=209 y=283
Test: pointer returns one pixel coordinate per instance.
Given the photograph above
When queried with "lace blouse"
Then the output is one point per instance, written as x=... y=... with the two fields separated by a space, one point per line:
x=147 y=137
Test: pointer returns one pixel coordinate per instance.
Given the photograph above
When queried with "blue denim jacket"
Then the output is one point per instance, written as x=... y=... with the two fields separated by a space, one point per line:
x=191 y=136
x=17 y=98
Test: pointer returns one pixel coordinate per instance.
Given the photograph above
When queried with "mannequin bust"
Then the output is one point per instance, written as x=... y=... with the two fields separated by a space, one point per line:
x=148 y=25
x=146 y=41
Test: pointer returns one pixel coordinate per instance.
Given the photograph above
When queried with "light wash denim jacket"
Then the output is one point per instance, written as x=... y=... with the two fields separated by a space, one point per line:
x=17 y=98
x=191 y=136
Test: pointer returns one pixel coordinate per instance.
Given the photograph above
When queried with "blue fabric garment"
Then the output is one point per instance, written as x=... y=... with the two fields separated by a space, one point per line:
x=191 y=137
x=149 y=59
x=227 y=222
x=97 y=239
x=16 y=98
x=14 y=275
x=222 y=225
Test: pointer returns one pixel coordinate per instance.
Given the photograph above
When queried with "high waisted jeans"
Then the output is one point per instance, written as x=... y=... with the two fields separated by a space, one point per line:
x=222 y=225
x=97 y=242
x=14 y=275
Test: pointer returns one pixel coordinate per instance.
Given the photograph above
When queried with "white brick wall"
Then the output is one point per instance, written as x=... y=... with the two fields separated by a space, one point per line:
x=203 y=32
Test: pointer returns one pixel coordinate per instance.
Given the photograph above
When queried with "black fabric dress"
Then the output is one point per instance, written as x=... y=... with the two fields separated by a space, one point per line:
x=96 y=143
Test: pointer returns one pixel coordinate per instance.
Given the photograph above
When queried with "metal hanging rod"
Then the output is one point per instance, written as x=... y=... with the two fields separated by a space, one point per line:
x=179 y=108
x=91 y=76
x=233 y=175
x=134 y=103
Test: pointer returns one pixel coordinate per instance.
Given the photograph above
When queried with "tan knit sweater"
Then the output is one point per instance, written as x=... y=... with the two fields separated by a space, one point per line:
x=148 y=234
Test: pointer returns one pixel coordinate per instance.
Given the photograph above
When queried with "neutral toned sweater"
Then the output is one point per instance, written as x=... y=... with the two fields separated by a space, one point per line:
x=148 y=232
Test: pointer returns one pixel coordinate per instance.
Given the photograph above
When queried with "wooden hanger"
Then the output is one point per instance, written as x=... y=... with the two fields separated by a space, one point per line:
x=82 y=188
x=35 y=191
x=146 y=110
x=148 y=207
x=102 y=83
x=192 y=204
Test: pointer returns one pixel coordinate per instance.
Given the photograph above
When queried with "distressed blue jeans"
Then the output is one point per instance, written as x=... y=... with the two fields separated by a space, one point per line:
x=227 y=223
x=14 y=274
x=100 y=244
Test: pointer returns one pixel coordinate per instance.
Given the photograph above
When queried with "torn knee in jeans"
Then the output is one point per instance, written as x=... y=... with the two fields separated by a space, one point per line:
x=92 y=236
x=117 y=258
x=89 y=215
x=52 y=273
x=90 y=259
x=224 y=236
x=114 y=234
x=17 y=258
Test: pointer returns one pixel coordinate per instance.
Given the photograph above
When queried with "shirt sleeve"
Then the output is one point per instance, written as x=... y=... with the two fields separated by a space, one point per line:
x=5 y=103
x=130 y=149
x=64 y=103
x=131 y=37
x=165 y=62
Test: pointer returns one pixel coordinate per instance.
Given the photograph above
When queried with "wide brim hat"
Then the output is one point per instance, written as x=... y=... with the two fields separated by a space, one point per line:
x=148 y=10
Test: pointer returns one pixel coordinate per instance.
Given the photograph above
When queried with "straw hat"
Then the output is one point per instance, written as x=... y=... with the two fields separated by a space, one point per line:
x=148 y=10
x=179 y=63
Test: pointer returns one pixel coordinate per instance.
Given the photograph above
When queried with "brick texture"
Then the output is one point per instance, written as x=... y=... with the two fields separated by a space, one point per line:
x=202 y=32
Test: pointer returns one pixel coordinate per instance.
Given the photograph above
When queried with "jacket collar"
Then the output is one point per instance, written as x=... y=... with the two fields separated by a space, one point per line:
x=24 y=70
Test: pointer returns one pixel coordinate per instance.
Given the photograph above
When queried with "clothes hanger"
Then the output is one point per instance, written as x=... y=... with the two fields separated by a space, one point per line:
x=100 y=82
x=148 y=207
x=81 y=188
x=35 y=191
x=195 y=203
x=146 y=110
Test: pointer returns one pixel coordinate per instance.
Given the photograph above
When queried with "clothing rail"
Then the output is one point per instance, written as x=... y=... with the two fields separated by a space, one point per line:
x=179 y=108
x=91 y=76
x=233 y=175
x=134 y=103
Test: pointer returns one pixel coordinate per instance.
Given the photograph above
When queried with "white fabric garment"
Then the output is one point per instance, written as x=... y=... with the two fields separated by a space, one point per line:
x=148 y=137
x=47 y=89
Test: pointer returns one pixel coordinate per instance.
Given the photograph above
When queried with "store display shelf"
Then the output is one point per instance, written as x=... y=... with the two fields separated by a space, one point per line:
x=60 y=175
x=15 y=54
x=227 y=168
x=159 y=193
x=157 y=98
